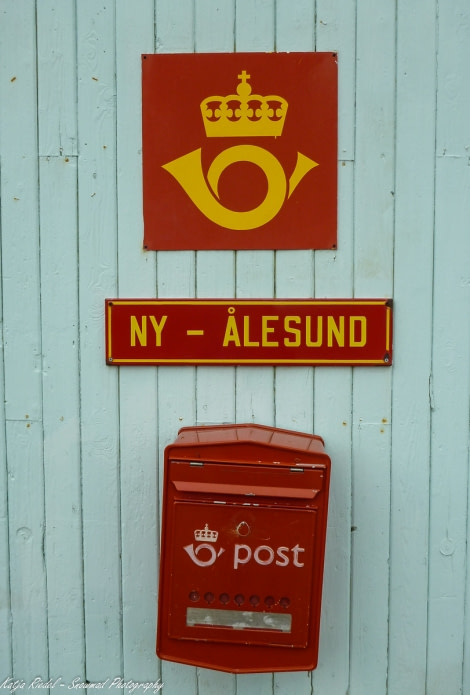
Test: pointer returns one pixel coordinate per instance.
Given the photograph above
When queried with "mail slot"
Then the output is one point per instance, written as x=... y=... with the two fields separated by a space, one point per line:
x=242 y=548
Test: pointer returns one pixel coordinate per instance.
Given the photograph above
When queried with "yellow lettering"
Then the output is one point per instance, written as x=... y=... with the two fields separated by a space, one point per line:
x=138 y=331
x=308 y=332
x=246 y=334
x=361 y=341
x=337 y=331
x=231 y=332
x=265 y=330
x=292 y=342
x=158 y=327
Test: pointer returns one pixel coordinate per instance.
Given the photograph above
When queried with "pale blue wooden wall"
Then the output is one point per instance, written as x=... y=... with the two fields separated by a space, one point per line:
x=80 y=442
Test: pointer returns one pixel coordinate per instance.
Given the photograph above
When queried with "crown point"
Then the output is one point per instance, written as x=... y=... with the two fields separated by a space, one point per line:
x=243 y=88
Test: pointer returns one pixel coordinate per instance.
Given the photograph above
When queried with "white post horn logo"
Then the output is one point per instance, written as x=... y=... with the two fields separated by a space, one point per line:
x=207 y=536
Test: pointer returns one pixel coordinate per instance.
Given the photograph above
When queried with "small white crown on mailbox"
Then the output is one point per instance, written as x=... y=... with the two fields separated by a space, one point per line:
x=205 y=534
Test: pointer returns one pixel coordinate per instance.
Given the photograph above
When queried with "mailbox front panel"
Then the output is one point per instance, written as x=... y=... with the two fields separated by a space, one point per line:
x=244 y=573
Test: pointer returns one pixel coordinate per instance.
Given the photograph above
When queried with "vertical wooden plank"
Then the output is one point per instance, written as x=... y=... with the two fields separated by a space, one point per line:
x=57 y=129
x=99 y=393
x=295 y=29
x=21 y=288
x=215 y=403
x=18 y=137
x=374 y=192
x=294 y=277
x=176 y=277
x=295 y=25
x=335 y=31
x=327 y=27
x=26 y=543
x=137 y=387
x=373 y=276
x=449 y=428
x=215 y=387
x=333 y=421
x=214 y=22
x=453 y=138
x=453 y=130
x=415 y=142
x=255 y=25
x=294 y=385
x=293 y=394
x=59 y=314
x=175 y=26
x=215 y=395
x=255 y=386
x=176 y=408
x=466 y=651
x=448 y=555
x=57 y=85
x=6 y=664
x=6 y=659
x=22 y=341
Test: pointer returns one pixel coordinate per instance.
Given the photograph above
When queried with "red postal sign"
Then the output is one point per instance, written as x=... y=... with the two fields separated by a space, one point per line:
x=249 y=332
x=239 y=150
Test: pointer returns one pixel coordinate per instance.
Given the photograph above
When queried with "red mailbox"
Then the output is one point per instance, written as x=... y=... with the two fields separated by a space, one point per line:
x=242 y=551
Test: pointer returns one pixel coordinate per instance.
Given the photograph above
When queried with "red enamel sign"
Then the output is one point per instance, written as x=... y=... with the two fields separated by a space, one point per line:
x=255 y=332
x=239 y=151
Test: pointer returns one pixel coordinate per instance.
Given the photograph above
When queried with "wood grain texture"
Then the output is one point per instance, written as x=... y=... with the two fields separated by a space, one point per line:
x=138 y=389
x=294 y=276
x=413 y=249
x=61 y=415
x=20 y=227
x=5 y=604
x=449 y=442
x=453 y=97
x=82 y=444
x=176 y=277
x=28 y=597
x=26 y=638
x=373 y=276
x=97 y=210
x=57 y=84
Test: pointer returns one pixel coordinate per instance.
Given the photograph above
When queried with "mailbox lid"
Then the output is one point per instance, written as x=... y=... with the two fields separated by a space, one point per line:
x=248 y=443
x=218 y=481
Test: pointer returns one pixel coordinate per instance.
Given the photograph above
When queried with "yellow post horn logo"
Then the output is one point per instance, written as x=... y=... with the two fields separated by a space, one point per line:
x=253 y=115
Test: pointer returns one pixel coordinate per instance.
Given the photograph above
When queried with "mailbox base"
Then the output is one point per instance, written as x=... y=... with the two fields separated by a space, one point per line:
x=236 y=660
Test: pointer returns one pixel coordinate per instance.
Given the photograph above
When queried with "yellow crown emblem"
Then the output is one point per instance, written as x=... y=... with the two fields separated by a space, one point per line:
x=205 y=534
x=243 y=114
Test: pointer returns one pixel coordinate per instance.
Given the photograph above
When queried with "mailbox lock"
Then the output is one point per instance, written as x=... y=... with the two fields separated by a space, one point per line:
x=243 y=529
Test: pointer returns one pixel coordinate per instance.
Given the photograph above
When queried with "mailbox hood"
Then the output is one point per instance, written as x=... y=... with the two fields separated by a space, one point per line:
x=259 y=443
